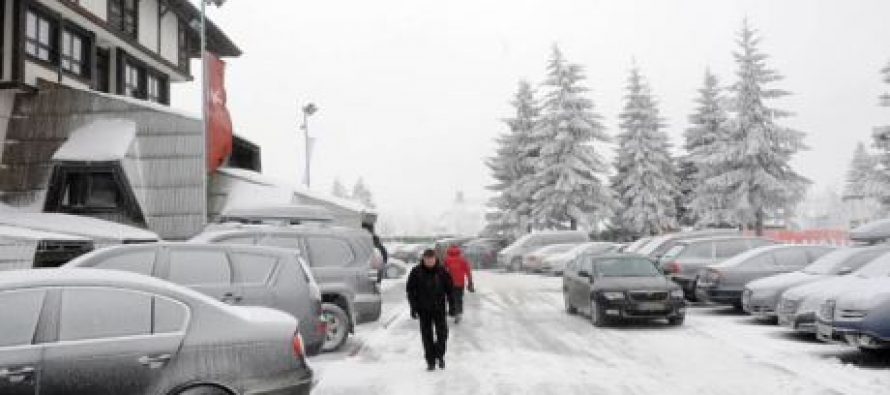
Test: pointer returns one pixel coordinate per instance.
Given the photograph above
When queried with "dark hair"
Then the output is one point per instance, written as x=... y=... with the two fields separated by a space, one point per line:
x=429 y=253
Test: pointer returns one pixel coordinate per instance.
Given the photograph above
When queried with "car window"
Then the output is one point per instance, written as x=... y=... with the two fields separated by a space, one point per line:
x=237 y=239
x=199 y=267
x=731 y=248
x=793 y=257
x=698 y=250
x=98 y=313
x=282 y=242
x=329 y=252
x=169 y=316
x=815 y=253
x=763 y=261
x=25 y=306
x=253 y=268
x=859 y=260
x=141 y=262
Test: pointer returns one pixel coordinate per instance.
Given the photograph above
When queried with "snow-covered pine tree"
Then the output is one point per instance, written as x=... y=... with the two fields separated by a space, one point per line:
x=753 y=166
x=703 y=206
x=881 y=136
x=567 y=185
x=861 y=175
x=339 y=190
x=362 y=194
x=646 y=181
x=513 y=160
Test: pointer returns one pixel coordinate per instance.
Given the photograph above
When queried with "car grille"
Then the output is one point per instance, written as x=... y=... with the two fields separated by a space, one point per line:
x=648 y=296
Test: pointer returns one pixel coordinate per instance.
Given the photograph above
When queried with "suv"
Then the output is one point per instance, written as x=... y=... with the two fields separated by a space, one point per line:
x=238 y=275
x=343 y=261
x=684 y=260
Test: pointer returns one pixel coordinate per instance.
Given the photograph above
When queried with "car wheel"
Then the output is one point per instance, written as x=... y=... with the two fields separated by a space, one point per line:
x=569 y=308
x=203 y=390
x=392 y=272
x=596 y=315
x=337 y=327
x=677 y=320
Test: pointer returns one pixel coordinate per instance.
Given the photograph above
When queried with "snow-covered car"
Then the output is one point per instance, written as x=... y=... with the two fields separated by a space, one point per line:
x=800 y=304
x=556 y=264
x=511 y=257
x=636 y=245
x=860 y=317
x=235 y=274
x=685 y=260
x=724 y=282
x=534 y=261
x=762 y=298
x=483 y=253
x=89 y=331
x=614 y=287
x=658 y=246
x=103 y=233
x=395 y=268
x=23 y=248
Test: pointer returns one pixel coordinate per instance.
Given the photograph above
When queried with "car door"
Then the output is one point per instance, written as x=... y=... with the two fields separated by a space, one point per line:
x=110 y=341
x=253 y=273
x=21 y=364
x=568 y=280
x=790 y=259
x=581 y=292
x=204 y=269
x=140 y=261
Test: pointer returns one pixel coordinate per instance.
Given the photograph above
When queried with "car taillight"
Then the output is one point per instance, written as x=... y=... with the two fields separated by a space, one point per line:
x=298 y=345
x=673 y=267
x=376 y=261
x=322 y=326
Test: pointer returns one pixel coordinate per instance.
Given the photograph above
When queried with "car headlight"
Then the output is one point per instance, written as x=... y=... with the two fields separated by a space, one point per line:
x=613 y=295
x=677 y=293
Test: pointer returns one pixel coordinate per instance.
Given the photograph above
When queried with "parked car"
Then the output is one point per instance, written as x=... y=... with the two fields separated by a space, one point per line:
x=613 y=287
x=555 y=264
x=860 y=316
x=103 y=233
x=238 y=275
x=395 y=268
x=683 y=262
x=96 y=332
x=408 y=252
x=343 y=261
x=441 y=246
x=724 y=283
x=762 y=298
x=511 y=257
x=534 y=260
x=800 y=304
x=483 y=253
x=22 y=248
x=636 y=245
x=660 y=245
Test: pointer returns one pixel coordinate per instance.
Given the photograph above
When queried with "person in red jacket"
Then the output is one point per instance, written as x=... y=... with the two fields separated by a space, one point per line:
x=461 y=277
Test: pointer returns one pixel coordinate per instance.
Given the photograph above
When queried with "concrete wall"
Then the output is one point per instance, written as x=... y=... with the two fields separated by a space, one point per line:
x=148 y=24
x=170 y=38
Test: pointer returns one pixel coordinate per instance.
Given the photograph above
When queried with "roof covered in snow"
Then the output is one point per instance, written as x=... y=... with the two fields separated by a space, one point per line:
x=20 y=233
x=75 y=225
x=101 y=140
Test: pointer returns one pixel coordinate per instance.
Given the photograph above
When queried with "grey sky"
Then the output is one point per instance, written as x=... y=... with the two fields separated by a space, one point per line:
x=411 y=92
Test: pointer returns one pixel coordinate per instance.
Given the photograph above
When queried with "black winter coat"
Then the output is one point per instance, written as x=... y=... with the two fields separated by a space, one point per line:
x=430 y=290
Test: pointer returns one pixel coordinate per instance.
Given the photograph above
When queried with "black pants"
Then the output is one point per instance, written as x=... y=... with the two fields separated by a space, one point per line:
x=433 y=348
x=458 y=293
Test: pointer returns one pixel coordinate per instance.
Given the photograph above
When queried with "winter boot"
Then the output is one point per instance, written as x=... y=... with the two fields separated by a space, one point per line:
x=430 y=367
x=441 y=363
x=457 y=318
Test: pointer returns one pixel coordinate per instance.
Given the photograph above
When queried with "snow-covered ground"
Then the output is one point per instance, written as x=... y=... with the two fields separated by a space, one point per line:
x=517 y=339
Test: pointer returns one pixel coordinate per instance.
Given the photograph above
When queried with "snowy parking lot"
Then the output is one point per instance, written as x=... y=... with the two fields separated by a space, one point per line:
x=516 y=338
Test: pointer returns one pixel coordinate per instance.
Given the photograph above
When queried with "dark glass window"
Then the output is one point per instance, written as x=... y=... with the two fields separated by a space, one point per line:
x=40 y=37
x=133 y=85
x=183 y=42
x=124 y=16
x=75 y=58
x=90 y=190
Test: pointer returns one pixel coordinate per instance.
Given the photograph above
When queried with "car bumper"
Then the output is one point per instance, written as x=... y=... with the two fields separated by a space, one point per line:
x=644 y=310
x=717 y=295
x=368 y=308
x=300 y=385
x=760 y=308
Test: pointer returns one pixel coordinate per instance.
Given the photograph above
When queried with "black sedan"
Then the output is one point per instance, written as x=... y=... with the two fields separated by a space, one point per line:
x=617 y=287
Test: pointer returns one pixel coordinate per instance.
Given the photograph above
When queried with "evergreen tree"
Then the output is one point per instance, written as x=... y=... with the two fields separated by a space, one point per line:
x=513 y=161
x=646 y=181
x=568 y=191
x=338 y=190
x=752 y=166
x=702 y=205
x=861 y=175
x=881 y=136
x=362 y=194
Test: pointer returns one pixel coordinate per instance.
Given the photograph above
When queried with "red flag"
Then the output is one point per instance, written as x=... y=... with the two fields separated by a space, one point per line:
x=219 y=122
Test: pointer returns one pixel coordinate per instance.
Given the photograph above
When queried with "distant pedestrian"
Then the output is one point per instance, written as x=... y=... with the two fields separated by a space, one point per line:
x=430 y=296
x=461 y=277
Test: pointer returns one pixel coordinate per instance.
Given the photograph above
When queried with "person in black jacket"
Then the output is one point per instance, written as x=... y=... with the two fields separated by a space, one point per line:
x=430 y=296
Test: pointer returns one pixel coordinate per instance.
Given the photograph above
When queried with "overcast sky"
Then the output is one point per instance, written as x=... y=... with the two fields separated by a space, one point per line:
x=411 y=92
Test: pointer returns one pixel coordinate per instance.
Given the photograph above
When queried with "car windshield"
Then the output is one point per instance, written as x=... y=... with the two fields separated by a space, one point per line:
x=625 y=267
x=556 y=249
x=879 y=267
x=833 y=261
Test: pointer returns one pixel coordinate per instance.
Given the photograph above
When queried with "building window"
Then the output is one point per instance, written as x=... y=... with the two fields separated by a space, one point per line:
x=75 y=55
x=184 y=58
x=90 y=191
x=154 y=89
x=133 y=77
x=40 y=37
x=124 y=16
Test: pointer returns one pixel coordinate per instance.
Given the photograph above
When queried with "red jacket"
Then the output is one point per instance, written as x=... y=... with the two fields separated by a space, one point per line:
x=457 y=265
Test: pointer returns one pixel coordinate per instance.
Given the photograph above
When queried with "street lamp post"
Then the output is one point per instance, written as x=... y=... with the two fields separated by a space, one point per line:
x=308 y=110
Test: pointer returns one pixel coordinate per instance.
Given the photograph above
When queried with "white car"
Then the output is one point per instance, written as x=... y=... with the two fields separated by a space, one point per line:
x=556 y=264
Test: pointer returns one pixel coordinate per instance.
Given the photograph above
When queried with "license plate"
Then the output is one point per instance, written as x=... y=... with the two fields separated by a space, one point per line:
x=824 y=331
x=651 y=306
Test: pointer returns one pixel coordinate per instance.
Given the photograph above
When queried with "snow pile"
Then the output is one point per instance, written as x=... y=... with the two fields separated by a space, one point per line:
x=102 y=140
